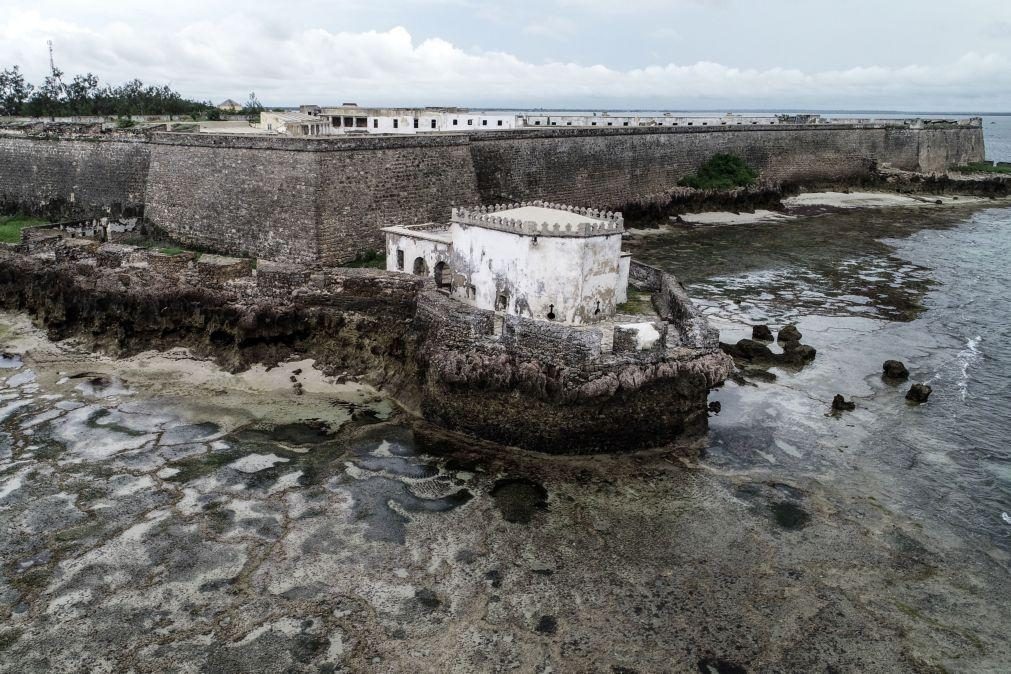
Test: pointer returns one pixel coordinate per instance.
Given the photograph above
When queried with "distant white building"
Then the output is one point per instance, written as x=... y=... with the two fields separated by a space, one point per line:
x=351 y=118
x=537 y=260
x=294 y=124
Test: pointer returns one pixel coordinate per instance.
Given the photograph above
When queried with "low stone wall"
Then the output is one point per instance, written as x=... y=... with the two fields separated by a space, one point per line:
x=542 y=385
x=675 y=307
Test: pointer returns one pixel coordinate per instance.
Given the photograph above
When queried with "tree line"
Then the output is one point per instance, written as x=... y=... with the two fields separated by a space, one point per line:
x=84 y=95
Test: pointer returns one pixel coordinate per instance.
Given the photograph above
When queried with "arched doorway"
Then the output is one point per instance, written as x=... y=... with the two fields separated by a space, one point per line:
x=443 y=275
x=420 y=267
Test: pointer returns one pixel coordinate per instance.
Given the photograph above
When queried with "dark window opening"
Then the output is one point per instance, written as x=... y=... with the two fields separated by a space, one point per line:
x=597 y=310
x=500 y=122
x=400 y=259
x=415 y=122
x=420 y=267
x=375 y=123
x=593 y=124
x=484 y=122
x=433 y=123
x=471 y=292
x=625 y=124
x=455 y=122
x=502 y=302
x=361 y=122
x=349 y=121
x=609 y=124
x=470 y=122
x=551 y=312
x=537 y=123
x=396 y=123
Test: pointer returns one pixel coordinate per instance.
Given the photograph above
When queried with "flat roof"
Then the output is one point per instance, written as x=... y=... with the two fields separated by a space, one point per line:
x=541 y=214
x=436 y=232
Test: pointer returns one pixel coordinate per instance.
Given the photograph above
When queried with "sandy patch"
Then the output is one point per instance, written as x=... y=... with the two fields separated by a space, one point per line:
x=873 y=200
x=727 y=218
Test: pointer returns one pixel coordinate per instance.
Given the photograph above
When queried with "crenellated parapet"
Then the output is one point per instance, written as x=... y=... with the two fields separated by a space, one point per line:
x=596 y=223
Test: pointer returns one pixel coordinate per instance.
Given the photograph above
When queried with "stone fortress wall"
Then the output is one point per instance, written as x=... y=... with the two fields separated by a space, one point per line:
x=74 y=175
x=324 y=200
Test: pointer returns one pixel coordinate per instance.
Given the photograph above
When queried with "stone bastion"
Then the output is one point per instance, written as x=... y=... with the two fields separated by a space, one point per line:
x=512 y=380
x=325 y=200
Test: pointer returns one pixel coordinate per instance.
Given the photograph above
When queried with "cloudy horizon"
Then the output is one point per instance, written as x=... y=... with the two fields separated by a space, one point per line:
x=678 y=54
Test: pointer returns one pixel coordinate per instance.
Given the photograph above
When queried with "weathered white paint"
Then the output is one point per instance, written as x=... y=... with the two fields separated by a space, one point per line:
x=431 y=244
x=538 y=275
x=646 y=334
x=568 y=268
x=621 y=293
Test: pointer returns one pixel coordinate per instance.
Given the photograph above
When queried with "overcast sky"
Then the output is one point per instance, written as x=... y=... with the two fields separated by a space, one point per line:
x=919 y=55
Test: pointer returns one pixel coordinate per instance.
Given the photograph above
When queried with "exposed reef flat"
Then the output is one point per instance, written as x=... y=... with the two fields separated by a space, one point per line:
x=818 y=203
x=162 y=523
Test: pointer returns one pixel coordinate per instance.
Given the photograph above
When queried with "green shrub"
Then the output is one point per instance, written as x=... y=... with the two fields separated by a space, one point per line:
x=982 y=167
x=721 y=172
x=11 y=226
x=125 y=123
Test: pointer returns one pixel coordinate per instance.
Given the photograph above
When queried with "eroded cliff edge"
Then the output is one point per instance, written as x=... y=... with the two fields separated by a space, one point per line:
x=515 y=381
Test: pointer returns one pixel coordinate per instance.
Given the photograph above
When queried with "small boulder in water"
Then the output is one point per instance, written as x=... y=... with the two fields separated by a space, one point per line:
x=789 y=333
x=749 y=349
x=761 y=332
x=895 y=370
x=715 y=407
x=796 y=353
x=919 y=393
x=840 y=404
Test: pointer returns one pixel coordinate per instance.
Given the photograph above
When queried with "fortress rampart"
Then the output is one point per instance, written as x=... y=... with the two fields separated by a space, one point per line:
x=324 y=200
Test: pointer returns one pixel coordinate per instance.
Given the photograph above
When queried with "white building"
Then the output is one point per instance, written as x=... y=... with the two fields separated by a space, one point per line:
x=354 y=119
x=537 y=260
x=294 y=124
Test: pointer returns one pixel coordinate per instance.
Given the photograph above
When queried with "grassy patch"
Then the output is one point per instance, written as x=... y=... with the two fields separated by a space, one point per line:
x=11 y=226
x=172 y=250
x=638 y=302
x=982 y=167
x=373 y=259
x=721 y=172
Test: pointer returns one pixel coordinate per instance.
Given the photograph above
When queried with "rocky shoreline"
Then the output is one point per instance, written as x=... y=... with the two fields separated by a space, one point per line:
x=538 y=386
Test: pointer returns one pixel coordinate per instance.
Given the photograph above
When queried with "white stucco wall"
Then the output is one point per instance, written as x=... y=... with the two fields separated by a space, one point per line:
x=571 y=274
x=402 y=121
x=624 y=262
x=432 y=252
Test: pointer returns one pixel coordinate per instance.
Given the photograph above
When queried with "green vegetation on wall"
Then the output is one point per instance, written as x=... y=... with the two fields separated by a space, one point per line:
x=11 y=226
x=721 y=172
x=983 y=167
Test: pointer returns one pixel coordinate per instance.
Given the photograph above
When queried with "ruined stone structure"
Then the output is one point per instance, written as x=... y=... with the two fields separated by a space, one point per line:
x=326 y=200
x=522 y=381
